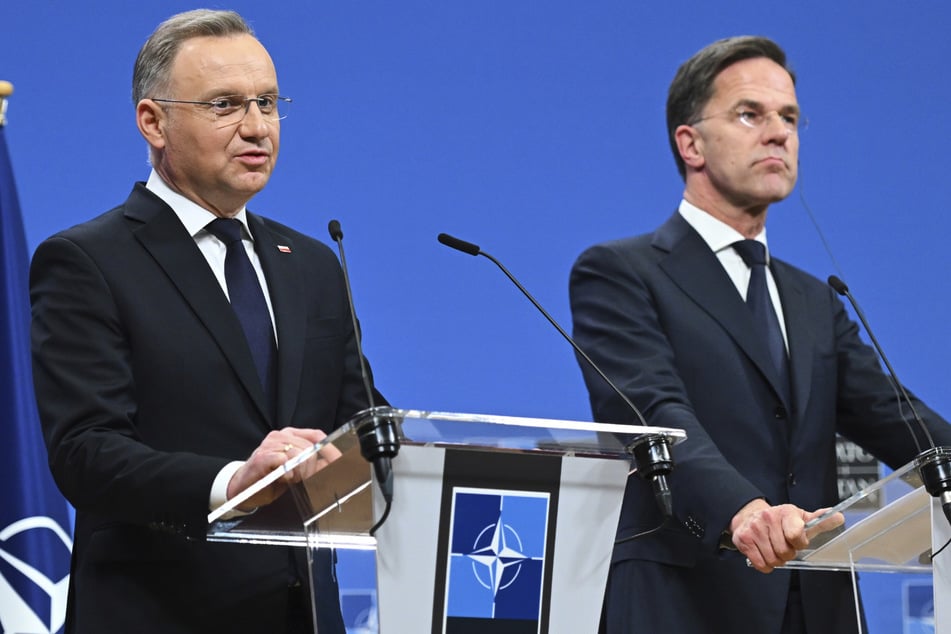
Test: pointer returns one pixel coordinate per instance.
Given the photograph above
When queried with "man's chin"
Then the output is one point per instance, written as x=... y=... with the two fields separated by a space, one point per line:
x=778 y=190
x=252 y=182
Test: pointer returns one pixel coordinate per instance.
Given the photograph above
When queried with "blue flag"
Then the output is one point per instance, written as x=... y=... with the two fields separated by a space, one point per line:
x=35 y=543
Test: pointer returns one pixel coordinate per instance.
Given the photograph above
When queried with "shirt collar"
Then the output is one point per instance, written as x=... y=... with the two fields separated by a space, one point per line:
x=718 y=235
x=193 y=216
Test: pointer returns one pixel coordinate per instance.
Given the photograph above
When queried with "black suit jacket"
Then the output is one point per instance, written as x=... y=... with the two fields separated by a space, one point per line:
x=661 y=317
x=146 y=389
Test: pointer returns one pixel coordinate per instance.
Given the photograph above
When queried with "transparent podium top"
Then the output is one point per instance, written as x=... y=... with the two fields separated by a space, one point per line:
x=343 y=485
x=480 y=431
x=895 y=538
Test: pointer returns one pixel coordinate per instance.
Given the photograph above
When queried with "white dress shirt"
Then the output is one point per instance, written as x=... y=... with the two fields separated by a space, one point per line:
x=720 y=237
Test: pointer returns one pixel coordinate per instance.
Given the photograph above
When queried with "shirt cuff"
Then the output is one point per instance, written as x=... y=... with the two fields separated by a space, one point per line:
x=219 y=490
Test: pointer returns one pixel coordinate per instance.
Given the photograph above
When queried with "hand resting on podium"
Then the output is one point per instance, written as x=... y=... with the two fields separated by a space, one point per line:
x=276 y=449
x=770 y=536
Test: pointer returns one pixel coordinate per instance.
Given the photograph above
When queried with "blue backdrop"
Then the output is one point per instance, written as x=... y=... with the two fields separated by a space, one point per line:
x=533 y=129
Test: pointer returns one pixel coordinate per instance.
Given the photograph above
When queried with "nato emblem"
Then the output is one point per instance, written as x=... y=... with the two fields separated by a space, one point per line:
x=495 y=572
x=23 y=580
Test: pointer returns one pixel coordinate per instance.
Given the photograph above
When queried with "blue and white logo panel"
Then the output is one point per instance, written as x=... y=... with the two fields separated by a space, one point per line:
x=496 y=555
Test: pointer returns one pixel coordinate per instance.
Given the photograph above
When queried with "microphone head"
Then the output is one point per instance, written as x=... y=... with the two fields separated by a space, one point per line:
x=934 y=466
x=336 y=233
x=459 y=245
x=838 y=285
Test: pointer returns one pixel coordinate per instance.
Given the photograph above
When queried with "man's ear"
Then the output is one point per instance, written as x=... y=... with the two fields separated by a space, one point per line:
x=151 y=120
x=690 y=145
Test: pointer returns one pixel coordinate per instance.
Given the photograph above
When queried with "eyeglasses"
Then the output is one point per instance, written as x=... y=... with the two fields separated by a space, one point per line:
x=755 y=119
x=231 y=109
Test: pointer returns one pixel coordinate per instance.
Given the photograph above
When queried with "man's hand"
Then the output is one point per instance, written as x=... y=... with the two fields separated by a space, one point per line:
x=277 y=448
x=770 y=536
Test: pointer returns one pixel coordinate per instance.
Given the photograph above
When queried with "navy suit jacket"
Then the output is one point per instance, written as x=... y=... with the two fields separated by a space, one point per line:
x=146 y=389
x=662 y=318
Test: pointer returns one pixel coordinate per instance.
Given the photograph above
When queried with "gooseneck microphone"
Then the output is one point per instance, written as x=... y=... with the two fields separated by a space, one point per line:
x=379 y=441
x=934 y=464
x=651 y=452
x=336 y=234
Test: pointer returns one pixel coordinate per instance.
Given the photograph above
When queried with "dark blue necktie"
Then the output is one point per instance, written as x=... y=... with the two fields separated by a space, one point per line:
x=247 y=300
x=764 y=315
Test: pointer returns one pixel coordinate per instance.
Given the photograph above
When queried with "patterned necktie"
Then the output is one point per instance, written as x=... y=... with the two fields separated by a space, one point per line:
x=764 y=315
x=247 y=300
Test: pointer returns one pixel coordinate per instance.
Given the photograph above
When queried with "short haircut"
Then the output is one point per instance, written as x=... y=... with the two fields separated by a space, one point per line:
x=692 y=86
x=153 y=66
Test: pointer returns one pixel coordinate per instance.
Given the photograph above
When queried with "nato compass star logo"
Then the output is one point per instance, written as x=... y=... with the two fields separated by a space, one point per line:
x=497 y=560
x=497 y=556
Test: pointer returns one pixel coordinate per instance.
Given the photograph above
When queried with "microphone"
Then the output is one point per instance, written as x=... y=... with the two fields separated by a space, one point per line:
x=934 y=464
x=651 y=452
x=379 y=442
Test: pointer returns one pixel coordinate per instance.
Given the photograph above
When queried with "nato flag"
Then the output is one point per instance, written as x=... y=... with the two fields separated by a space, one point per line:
x=34 y=517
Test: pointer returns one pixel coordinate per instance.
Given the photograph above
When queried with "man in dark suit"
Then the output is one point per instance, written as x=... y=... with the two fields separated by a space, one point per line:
x=670 y=318
x=158 y=400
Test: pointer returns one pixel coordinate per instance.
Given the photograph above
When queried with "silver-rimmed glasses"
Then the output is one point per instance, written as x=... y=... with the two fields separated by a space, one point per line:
x=757 y=119
x=231 y=109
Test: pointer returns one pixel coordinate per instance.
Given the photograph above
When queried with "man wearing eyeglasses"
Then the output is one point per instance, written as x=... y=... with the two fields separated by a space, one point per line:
x=758 y=361
x=184 y=347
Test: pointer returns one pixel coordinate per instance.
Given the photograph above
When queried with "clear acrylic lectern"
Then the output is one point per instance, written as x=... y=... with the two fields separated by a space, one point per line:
x=899 y=537
x=497 y=523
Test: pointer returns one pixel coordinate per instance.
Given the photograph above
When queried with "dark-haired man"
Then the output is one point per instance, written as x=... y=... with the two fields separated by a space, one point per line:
x=183 y=348
x=755 y=359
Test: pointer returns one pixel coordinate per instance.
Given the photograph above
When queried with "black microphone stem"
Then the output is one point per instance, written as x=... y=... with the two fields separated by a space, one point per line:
x=337 y=234
x=551 y=320
x=651 y=452
x=840 y=287
x=934 y=464
x=379 y=441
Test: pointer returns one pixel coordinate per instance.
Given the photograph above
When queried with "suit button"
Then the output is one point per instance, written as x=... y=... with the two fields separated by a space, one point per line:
x=791 y=479
x=779 y=412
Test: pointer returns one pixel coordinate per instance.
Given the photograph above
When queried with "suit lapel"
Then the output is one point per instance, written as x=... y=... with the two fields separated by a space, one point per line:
x=694 y=268
x=281 y=268
x=165 y=238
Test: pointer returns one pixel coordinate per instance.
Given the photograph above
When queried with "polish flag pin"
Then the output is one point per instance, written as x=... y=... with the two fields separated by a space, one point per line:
x=283 y=248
